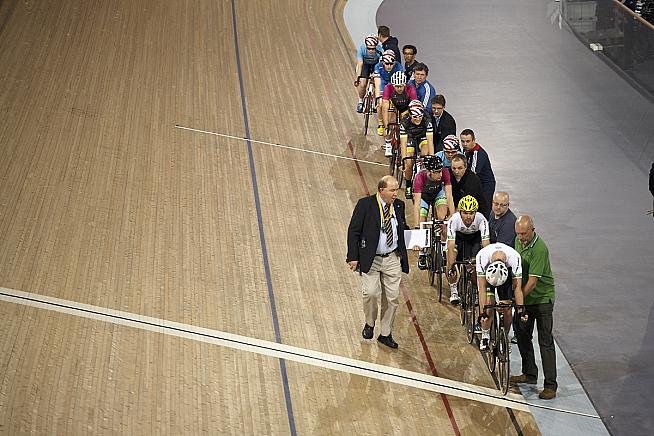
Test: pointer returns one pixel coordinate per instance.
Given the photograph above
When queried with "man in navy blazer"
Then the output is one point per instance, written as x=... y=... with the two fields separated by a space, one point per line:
x=376 y=248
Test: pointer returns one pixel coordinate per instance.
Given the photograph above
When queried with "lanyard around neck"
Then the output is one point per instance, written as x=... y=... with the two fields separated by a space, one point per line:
x=381 y=210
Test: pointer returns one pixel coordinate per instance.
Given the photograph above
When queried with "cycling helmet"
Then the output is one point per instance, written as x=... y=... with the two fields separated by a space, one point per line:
x=371 y=40
x=433 y=163
x=415 y=108
x=497 y=273
x=398 y=78
x=451 y=143
x=468 y=204
x=388 y=57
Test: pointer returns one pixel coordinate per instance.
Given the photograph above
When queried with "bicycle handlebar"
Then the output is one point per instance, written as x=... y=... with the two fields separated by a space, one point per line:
x=499 y=305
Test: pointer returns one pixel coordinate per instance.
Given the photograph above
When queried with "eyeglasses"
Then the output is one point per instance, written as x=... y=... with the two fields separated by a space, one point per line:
x=370 y=48
x=389 y=63
x=495 y=203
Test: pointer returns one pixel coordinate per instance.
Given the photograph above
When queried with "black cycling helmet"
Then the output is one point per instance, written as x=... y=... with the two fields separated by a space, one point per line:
x=433 y=163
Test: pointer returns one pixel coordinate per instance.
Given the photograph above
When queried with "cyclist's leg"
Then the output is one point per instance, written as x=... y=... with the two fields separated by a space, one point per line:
x=363 y=81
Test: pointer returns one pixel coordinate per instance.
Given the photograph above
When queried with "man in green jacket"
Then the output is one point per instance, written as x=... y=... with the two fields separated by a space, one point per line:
x=538 y=291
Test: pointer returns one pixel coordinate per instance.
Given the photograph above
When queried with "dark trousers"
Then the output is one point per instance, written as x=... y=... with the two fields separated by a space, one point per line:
x=541 y=314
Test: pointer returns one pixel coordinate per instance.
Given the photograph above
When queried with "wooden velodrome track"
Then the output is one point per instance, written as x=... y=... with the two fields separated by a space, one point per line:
x=104 y=202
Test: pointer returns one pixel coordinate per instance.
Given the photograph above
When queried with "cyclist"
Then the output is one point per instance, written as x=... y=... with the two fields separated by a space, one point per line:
x=499 y=272
x=432 y=187
x=415 y=132
x=424 y=89
x=467 y=232
x=384 y=70
x=451 y=147
x=399 y=94
x=444 y=123
x=368 y=55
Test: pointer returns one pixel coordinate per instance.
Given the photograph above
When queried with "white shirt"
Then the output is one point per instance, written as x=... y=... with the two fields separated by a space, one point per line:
x=479 y=224
x=513 y=259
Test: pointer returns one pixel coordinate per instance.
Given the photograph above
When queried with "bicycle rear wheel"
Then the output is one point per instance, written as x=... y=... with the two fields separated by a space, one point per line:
x=503 y=361
x=490 y=356
x=439 y=270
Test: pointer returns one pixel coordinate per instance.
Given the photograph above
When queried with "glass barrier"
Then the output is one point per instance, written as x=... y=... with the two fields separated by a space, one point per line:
x=622 y=36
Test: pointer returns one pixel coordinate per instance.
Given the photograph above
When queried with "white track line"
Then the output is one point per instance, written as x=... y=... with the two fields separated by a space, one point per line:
x=288 y=147
x=273 y=349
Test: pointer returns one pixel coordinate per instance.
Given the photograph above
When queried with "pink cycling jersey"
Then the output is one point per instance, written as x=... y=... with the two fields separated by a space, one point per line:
x=409 y=90
x=421 y=179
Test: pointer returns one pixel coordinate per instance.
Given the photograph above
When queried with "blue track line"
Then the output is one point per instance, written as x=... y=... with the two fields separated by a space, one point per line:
x=262 y=237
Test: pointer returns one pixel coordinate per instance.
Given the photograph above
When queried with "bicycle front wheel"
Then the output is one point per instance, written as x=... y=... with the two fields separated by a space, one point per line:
x=472 y=314
x=503 y=361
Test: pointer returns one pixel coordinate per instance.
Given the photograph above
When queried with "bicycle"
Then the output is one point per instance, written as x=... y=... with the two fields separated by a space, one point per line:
x=435 y=258
x=498 y=352
x=394 y=163
x=467 y=296
x=368 y=102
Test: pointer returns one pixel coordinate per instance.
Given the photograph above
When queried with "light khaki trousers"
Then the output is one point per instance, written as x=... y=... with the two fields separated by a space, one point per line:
x=382 y=282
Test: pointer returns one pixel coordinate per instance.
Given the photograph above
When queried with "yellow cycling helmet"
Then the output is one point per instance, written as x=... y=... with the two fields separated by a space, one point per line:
x=468 y=204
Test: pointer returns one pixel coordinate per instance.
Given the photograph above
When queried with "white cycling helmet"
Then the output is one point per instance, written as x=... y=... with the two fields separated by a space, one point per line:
x=497 y=273
x=398 y=78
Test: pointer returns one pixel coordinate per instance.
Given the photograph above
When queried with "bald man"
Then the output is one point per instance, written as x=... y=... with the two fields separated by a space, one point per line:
x=538 y=291
x=501 y=223
x=375 y=247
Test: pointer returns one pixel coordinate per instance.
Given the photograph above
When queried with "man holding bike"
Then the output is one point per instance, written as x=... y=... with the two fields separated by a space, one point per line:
x=467 y=232
x=416 y=133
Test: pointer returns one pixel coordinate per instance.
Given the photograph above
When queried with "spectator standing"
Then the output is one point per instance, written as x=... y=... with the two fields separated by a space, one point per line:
x=538 y=291
x=479 y=163
x=502 y=220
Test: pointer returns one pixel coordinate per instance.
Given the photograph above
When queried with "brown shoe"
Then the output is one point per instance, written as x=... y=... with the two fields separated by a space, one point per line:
x=522 y=378
x=547 y=394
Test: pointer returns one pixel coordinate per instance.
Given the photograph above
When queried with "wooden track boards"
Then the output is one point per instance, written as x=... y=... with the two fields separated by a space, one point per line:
x=103 y=201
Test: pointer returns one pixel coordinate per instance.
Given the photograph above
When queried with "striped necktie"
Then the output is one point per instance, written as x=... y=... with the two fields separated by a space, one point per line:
x=388 y=228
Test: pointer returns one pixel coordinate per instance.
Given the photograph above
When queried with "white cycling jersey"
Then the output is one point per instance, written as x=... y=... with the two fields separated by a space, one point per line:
x=513 y=259
x=479 y=224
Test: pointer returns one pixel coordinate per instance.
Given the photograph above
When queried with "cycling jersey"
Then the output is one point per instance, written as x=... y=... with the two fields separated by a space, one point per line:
x=425 y=92
x=513 y=259
x=369 y=58
x=400 y=101
x=422 y=184
x=384 y=75
x=456 y=224
x=417 y=131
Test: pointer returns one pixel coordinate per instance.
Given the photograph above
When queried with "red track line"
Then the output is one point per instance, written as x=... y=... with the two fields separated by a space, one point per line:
x=414 y=318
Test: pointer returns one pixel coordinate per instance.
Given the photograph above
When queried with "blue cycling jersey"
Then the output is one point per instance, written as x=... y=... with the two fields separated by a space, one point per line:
x=425 y=92
x=446 y=161
x=384 y=75
x=369 y=58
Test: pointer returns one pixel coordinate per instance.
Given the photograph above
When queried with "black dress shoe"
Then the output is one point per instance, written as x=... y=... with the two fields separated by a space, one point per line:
x=388 y=341
x=367 y=332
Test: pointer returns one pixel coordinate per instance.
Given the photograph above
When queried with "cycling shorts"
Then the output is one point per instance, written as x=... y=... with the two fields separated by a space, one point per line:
x=367 y=70
x=410 y=145
x=426 y=201
x=467 y=245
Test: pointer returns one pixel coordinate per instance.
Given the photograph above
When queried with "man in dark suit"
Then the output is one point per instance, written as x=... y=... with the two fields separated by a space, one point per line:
x=375 y=247
x=442 y=121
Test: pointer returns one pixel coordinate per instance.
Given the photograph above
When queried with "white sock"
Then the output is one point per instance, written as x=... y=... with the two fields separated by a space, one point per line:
x=453 y=288
x=360 y=100
x=485 y=334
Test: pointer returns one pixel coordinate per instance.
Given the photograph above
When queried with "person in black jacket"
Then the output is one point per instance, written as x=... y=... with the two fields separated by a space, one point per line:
x=375 y=247
x=442 y=122
x=389 y=42
x=465 y=182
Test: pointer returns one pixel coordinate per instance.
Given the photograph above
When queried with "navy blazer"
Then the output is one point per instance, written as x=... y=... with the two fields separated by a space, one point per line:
x=364 y=229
